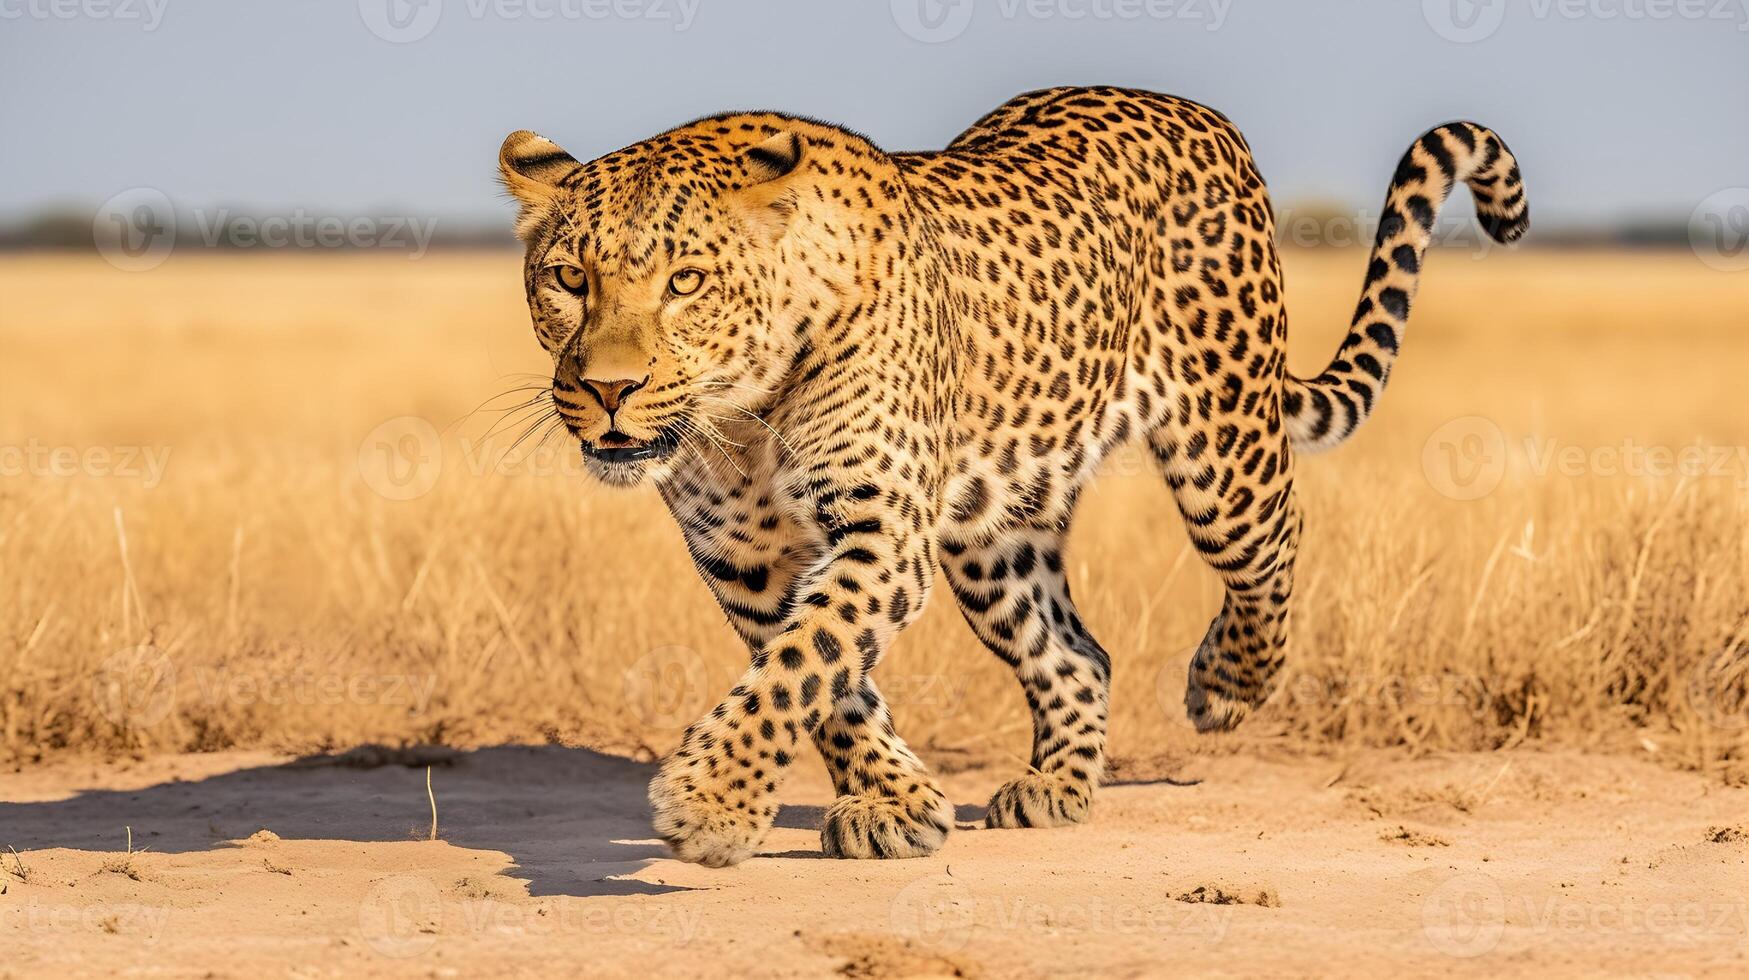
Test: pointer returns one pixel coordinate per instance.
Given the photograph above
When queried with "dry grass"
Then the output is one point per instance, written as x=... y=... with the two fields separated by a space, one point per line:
x=260 y=593
x=123 y=864
x=19 y=869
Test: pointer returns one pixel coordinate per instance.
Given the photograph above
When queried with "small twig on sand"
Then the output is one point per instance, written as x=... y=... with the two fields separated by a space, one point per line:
x=433 y=798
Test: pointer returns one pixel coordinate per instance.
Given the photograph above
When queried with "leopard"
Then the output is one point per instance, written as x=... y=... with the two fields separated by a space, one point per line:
x=851 y=374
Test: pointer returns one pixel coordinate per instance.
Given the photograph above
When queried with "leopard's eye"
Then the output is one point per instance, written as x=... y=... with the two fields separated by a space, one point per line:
x=685 y=282
x=572 y=278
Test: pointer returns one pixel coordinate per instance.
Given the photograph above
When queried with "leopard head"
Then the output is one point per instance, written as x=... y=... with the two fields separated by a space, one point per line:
x=670 y=282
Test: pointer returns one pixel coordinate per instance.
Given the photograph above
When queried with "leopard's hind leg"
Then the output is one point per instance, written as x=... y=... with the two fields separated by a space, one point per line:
x=1237 y=497
x=1013 y=593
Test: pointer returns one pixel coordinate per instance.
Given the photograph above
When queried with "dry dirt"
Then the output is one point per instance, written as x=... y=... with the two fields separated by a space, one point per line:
x=1511 y=862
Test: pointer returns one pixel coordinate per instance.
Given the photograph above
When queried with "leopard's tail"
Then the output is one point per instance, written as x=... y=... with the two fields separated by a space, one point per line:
x=1323 y=411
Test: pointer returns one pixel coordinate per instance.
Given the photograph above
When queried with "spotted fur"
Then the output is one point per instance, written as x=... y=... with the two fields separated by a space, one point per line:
x=891 y=364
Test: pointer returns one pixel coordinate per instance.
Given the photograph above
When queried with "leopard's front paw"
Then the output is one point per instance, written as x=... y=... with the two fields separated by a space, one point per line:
x=700 y=828
x=882 y=827
x=1038 y=800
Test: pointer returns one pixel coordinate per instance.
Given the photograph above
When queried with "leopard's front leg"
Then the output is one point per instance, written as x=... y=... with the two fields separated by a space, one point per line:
x=714 y=798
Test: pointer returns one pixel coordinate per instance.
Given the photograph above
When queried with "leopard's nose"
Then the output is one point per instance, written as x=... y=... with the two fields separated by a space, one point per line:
x=610 y=395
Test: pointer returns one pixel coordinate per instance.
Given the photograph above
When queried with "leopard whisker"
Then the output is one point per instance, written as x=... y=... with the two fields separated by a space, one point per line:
x=543 y=394
x=738 y=384
x=515 y=418
x=532 y=426
x=719 y=432
x=755 y=417
x=693 y=424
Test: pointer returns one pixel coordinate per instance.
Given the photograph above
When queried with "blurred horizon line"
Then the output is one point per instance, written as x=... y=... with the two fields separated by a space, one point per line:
x=1310 y=224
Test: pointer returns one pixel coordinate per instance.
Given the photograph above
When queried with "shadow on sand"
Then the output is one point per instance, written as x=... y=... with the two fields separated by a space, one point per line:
x=572 y=820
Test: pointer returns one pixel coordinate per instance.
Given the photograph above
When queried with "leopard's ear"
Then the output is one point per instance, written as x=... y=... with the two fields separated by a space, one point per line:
x=767 y=165
x=776 y=157
x=532 y=167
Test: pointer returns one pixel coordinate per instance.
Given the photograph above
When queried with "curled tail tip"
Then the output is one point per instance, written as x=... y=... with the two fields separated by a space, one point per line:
x=1324 y=411
x=1478 y=156
x=1505 y=230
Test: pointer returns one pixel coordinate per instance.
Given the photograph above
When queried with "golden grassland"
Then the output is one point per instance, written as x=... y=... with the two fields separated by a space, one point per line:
x=194 y=552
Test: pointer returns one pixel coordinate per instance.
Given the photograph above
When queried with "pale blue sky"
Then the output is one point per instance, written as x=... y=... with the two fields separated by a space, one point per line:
x=1614 y=111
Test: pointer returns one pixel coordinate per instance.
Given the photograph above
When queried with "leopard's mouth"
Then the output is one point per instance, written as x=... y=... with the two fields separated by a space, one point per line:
x=614 y=446
x=621 y=460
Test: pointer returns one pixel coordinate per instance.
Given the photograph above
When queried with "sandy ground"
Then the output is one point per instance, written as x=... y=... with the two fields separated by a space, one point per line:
x=245 y=865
